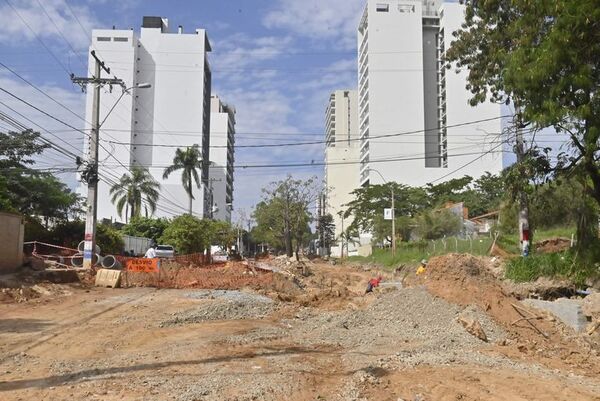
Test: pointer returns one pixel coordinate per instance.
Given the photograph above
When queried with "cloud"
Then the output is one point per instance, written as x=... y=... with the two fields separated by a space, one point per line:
x=332 y=20
x=63 y=136
x=14 y=30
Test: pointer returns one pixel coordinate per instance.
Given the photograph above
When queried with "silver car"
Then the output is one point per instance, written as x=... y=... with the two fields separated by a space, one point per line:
x=165 y=251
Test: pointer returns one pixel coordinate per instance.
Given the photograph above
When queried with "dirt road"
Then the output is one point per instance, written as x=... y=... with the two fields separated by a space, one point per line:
x=320 y=340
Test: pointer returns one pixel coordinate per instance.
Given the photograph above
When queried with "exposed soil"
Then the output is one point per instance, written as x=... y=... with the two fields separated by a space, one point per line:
x=553 y=245
x=290 y=337
x=465 y=280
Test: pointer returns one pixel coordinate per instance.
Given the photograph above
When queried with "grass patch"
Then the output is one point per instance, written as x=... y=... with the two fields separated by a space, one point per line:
x=552 y=265
x=412 y=253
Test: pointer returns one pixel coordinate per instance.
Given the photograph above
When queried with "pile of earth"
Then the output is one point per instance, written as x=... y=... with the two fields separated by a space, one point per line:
x=230 y=276
x=553 y=245
x=223 y=305
x=466 y=280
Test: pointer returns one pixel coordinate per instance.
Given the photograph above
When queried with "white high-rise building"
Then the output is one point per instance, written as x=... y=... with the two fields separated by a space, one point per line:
x=222 y=156
x=411 y=109
x=146 y=127
x=342 y=167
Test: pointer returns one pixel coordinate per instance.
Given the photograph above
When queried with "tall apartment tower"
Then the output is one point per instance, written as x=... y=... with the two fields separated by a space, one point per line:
x=222 y=156
x=341 y=158
x=410 y=105
x=146 y=127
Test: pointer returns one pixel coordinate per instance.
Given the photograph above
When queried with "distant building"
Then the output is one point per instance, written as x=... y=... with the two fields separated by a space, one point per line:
x=341 y=159
x=222 y=156
x=410 y=106
x=147 y=127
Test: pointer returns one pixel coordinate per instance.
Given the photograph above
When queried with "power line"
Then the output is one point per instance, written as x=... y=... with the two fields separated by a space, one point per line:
x=320 y=164
x=345 y=140
x=36 y=36
x=60 y=33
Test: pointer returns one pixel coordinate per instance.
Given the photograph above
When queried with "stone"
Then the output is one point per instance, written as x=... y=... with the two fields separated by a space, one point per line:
x=473 y=327
x=566 y=310
x=591 y=305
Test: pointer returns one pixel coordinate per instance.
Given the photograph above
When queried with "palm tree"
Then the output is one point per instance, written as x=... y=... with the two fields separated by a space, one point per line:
x=188 y=160
x=132 y=190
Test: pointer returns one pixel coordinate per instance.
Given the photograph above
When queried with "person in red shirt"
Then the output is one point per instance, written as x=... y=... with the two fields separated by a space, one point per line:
x=374 y=282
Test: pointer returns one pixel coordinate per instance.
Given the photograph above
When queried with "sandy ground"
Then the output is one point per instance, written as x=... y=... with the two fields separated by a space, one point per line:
x=315 y=338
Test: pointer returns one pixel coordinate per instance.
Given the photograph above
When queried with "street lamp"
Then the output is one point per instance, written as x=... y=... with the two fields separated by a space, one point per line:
x=393 y=212
x=143 y=85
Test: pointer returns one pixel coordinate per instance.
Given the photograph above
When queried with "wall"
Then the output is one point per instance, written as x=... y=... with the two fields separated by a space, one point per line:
x=176 y=67
x=474 y=138
x=218 y=171
x=11 y=242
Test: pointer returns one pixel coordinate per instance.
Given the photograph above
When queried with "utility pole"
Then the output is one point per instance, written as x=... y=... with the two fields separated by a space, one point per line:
x=393 y=222
x=524 y=228
x=90 y=175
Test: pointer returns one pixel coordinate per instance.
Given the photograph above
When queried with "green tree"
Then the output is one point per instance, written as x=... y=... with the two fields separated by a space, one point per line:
x=326 y=231
x=28 y=191
x=284 y=215
x=223 y=234
x=146 y=227
x=188 y=234
x=544 y=57
x=369 y=203
x=449 y=191
x=189 y=161
x=436 y=224
x=134 y=189
x=70 y=233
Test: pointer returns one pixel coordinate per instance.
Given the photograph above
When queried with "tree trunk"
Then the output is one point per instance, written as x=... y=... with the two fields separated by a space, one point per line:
x=190 y=194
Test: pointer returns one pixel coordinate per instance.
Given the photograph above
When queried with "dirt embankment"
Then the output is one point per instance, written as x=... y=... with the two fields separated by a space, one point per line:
x=466 y=280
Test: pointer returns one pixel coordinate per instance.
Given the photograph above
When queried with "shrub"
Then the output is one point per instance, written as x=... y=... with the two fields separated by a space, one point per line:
x=188 y=234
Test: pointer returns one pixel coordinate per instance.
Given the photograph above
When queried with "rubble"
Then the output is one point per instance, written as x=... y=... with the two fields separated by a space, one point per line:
x=473 y=327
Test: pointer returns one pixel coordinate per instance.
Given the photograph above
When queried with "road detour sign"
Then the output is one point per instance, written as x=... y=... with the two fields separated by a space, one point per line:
x=143 y=265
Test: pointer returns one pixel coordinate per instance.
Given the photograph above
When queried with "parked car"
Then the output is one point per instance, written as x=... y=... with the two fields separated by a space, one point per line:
x=220 y=256
x=165 y=251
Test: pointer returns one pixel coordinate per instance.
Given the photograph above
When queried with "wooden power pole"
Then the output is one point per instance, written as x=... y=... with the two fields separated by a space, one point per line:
x=90 y=175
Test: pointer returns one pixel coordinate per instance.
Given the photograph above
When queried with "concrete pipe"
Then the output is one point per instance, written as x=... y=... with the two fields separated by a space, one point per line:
x=110 y=262
x=77 y=260
x=82 y=245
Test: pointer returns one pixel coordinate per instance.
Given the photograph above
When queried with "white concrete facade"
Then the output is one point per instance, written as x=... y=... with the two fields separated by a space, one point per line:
x=341 y=159
x=147 y=127
x=408 y=102
x=222 y=157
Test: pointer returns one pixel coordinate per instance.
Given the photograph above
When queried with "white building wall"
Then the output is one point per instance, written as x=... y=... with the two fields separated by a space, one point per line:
x=174 y=112
x=396 y=40
x=341 y=158
x=118 y=48
x=475 y=138
x=222 y=140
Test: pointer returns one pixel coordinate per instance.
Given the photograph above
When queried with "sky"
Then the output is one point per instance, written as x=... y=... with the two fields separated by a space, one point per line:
x=276 y=61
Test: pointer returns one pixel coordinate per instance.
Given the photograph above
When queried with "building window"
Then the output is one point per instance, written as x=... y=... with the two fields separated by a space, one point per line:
x=121 y=39
x=103 y=39
x=406 y=8
x=383 y=8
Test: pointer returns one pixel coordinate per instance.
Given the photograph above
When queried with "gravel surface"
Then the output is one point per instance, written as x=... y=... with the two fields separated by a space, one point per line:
x=223 y=305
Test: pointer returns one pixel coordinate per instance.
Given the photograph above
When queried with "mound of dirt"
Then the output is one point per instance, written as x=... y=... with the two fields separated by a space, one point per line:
x=223 y=305
x=553 y=245
x=230 y=276
x=466 y=280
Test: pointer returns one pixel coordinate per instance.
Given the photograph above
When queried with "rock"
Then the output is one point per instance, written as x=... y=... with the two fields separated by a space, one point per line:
x=591 y=305
x=473 y=327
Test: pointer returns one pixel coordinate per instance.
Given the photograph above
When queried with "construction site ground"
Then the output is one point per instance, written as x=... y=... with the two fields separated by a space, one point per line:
x=291 y=337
